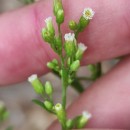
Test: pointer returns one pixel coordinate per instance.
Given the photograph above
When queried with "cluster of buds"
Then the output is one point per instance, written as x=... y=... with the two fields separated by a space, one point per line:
x=74 y=52
x=44 y=90
x=58 y=11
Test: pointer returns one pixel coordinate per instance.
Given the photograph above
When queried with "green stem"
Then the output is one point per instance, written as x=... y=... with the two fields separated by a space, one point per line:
x=64 y=83
x=76 y=34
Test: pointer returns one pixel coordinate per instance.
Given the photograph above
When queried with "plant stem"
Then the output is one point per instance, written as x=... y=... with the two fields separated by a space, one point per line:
x=64 y=78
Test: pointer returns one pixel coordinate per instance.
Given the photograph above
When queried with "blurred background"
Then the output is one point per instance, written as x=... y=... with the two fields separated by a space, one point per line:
x=24 y=115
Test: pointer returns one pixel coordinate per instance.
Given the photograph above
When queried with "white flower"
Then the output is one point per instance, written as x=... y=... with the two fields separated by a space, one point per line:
x=82 y=47
x=49 y=19
x=88 y=13
x=86 y=115
x=32 y=78
x=69 y=37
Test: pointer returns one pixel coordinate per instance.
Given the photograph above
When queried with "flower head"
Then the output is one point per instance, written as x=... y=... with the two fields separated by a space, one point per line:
x=86 y=115
x=69 y=37
x=82 y=47
x=88 y=13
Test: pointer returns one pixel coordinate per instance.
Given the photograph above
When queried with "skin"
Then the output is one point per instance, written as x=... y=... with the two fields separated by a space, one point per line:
x=108 y=36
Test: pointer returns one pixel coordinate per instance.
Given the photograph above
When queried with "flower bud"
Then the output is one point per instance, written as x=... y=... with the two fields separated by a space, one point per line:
x=60 y=16
x=83 y=120
x=58 y=44
x=48 y=88
x=70 y=44
x=50 y=27
x=75 y=65
x=48 y=105
x=83 y=23
x=54 y=61
x=53 y=65
x=50 y=65
x=57 y=5
x=81 y=50
x=36 y=83
x=88 y=14
x=61 y=114
x=69 y=124
x=47 y=36
x=72 y=25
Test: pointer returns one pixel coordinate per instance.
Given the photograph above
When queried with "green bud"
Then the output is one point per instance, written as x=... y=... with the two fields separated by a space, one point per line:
x=80 y=51
x=36 y=83
x=70 y=80
x=47 y=36
x=72 y=25
x=54 y=61
x=50 y=27
x=50 y=65
x=61 y=114
x=53 y=65
x=60 y=16
x=75 y=65
x=57 y=5
x=48 y=88
x=83 y=120
x=58 y=44
x=70 y=48
x=69 y=124
x=83 y=23
x=70 y=44
x=48 y=105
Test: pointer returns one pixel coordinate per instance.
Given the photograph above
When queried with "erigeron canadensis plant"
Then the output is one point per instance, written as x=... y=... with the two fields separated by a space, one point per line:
x=70 y=53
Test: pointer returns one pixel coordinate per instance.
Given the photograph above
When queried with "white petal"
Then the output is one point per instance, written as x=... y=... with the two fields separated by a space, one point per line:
x=91 y=13
x=48 y=19
x=86 y=114
x=32 y=78
x=82 y=46
x=69 y=37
